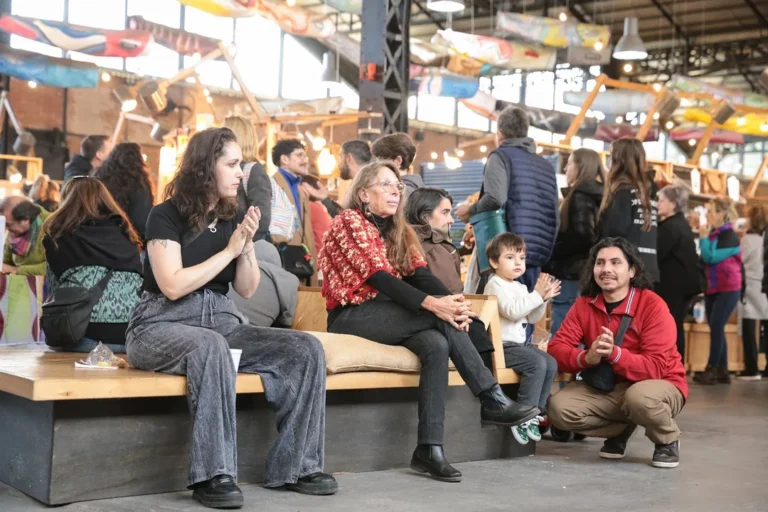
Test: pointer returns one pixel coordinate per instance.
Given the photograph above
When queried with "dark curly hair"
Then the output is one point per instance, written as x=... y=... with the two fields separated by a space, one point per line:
x=123 y=172
x=642 y=279
x=193 y=188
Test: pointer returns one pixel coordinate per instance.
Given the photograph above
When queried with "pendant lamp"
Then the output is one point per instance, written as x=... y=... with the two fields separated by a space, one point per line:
x=446 y=5
x=330 y=74
x=630 y=46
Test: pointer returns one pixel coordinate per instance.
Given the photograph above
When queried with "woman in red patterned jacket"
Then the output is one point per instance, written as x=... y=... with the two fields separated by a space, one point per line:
x=376 y=285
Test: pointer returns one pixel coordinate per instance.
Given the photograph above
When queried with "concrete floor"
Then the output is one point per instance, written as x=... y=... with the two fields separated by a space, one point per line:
x=724 y=467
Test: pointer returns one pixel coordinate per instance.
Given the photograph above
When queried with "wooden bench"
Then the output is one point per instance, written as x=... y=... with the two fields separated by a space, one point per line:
x=72 y=435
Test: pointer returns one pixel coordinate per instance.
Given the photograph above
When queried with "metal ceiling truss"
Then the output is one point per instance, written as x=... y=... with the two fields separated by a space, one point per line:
x=747 y=58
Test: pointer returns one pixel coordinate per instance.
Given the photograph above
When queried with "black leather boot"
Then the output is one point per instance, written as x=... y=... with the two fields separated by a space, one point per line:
x=316 y=484
x=498 y=409
x=430 y=458
x=218 y=492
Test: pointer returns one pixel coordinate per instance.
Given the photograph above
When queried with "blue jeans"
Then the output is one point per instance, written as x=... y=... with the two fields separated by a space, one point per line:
x=87 y=344
x=561 y=304
x=719 y=308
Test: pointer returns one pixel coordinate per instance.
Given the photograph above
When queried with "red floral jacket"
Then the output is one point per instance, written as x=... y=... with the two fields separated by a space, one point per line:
x=353 y=250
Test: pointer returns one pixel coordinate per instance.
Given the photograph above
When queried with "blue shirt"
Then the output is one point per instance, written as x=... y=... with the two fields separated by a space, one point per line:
x=293 y=183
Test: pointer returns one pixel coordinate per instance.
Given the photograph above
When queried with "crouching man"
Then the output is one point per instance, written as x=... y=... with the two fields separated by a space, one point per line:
x=627 y=329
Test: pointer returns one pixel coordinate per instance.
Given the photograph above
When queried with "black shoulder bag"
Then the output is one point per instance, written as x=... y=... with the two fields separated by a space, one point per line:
x=67 y=315
x=601 y=377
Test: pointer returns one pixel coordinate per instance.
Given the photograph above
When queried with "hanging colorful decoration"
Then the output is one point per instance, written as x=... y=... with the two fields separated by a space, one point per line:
x=613 y=101
x=556 y=122
x=92 y=41
x=44 y=70
x=552 y=32
x=448 y=85
x=185 y=43
x=718 y=137
x=292 y=19
x=687 y=84
x=747 y=124
x=350 y=6
x=496 y=52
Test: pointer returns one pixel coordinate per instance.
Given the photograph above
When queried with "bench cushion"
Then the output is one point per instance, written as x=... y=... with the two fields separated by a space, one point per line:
x=345 y=353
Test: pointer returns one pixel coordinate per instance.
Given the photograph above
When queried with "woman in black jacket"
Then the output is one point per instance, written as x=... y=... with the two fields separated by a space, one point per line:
x=629 y=208
x=678 y=261
x=578 y=219
x=126 y=176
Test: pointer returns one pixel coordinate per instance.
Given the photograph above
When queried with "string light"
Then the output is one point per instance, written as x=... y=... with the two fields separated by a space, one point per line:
x=628 y=67
x=742 y=121
x=656 y=116
x=669 y=125
x=32 y=84
x=483 y=148
x=764 y=127
x=599 y=46
x=434 y=155
x=290 y=3
x=484 y=160
x=106 y=77
x=460 y=153
x=619 y=120
x=196 y=56
x=430 y=166
x=657 y=87
x=563 y=16
x=209 y=99
x=206 y=92
x=692 y=142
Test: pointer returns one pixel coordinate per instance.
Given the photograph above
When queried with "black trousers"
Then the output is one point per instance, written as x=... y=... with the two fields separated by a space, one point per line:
x=430 y=338
x=678 y=306
x=750 y=337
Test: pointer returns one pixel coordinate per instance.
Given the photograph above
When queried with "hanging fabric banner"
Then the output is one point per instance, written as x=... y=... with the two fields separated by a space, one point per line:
x=551 y=32
x=748 y=124
x=736 y=96
x=93 y=41
x=613 y=101
x=446 y=85
x=718 y=137
x=292 y=19
x=350 y=6
x=185 y=43
x=46 y=70
x=497 y=52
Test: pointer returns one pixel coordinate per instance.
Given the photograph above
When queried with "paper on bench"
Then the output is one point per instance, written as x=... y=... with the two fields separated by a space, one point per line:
x=85 y=366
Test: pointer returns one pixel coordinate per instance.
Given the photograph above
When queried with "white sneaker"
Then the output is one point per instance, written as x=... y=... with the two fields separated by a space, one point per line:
x=534 y=434
x=749 y=377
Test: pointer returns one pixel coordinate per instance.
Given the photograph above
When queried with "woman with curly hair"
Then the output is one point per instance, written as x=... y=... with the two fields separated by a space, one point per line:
x=199 y=245
x=127 y=178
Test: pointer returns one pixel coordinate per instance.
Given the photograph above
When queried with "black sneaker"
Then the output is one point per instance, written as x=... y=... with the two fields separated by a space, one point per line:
x=219 y=492
x=316 y=484
x=615 y=447
x=667 y=455
x=723 y=376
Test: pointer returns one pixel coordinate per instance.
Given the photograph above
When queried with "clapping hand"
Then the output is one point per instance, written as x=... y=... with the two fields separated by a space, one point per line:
x=547 y=287
x=601 y=347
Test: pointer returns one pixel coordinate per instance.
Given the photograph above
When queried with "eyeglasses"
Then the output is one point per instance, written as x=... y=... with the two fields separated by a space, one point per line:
x=388 y=186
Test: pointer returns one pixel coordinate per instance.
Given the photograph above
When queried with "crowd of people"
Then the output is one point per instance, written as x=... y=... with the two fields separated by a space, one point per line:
x=216 y=265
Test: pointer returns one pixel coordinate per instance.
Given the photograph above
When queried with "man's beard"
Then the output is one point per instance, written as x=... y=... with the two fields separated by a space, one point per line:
x=346 y=174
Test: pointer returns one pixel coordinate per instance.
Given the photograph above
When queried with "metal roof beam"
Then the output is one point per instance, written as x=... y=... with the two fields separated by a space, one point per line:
x=430 y=14
x=664 y=12
x=763 y=20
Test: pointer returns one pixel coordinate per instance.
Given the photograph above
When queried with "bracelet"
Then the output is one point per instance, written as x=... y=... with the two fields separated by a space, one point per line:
x=246 y=253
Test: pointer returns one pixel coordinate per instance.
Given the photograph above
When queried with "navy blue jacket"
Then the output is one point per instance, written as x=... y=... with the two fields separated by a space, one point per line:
x=531 y=207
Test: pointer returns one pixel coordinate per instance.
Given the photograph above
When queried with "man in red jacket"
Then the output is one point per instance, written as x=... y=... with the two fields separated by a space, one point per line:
x=650 y=379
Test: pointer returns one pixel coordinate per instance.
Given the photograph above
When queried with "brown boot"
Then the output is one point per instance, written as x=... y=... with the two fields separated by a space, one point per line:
x=723 y=376
x=708 y=377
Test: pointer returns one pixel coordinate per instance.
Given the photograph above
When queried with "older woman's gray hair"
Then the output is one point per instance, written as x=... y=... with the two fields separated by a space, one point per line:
x=677 y=194
x=513 y=123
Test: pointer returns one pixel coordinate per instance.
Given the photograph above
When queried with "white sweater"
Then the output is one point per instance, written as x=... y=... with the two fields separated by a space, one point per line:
x=517 y=308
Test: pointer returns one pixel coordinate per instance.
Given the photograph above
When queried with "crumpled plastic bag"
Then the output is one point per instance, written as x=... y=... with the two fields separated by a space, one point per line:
x=103 y=357
x=540 y=339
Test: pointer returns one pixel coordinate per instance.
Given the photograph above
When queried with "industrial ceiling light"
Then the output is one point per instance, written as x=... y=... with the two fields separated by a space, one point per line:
x=722 y=112
x=126 y=98
x=446 y=5
x=630 y=46
x=153 y=94
x=330 y=76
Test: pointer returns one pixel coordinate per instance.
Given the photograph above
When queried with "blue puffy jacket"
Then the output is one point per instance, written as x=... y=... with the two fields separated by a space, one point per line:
x=531 y=207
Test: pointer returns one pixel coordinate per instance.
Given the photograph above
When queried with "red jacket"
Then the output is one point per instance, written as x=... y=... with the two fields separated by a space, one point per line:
x=649 y=350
